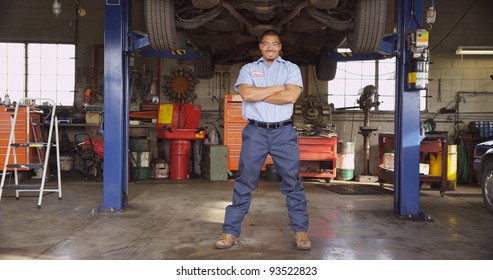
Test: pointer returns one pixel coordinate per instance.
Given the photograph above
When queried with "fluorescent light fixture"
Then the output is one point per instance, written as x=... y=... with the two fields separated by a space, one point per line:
x=475 y=50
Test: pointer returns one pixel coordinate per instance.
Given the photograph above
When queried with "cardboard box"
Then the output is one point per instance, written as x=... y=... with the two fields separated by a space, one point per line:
x=93 y=117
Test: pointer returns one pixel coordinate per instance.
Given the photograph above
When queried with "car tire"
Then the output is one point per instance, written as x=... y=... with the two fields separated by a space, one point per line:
x=369 y=26
x=487 y=185
x=204 y=68
x=161 y=25
x=325 y=69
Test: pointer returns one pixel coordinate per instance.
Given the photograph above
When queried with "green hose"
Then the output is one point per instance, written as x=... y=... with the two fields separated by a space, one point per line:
x=462 y=164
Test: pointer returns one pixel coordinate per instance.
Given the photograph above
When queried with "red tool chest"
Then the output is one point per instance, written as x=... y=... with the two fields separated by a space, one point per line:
x=317 y=154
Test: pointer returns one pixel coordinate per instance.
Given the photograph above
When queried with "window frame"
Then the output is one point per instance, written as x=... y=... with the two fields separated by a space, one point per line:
x=386 y=97
x=59 y=69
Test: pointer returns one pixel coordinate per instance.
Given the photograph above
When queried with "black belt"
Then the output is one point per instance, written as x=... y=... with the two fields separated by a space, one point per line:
x=270 y=125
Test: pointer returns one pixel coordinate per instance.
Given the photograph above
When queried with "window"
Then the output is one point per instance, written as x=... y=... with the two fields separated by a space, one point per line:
x=353 y=76
x=38 y=71
x=12 y=70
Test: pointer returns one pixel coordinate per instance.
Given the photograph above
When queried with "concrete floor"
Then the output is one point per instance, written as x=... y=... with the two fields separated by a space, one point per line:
x=182 y=220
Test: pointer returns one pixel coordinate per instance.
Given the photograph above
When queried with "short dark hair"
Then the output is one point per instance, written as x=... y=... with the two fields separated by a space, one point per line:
x=270 y=32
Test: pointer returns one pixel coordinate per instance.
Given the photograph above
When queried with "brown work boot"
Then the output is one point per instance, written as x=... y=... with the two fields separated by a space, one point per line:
x=226 y=241
x=302 y=241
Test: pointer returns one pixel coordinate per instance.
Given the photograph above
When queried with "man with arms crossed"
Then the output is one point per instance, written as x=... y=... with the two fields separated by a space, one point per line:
x=269 y=87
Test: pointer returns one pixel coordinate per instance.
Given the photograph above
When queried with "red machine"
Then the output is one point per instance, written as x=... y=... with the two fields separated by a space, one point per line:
x=179 y=123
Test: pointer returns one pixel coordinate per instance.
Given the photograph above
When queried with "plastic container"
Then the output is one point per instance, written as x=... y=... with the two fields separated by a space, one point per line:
x=66 y=163
x=436 y=165
x=388 y=160
x=7 y=100
x=160 y=169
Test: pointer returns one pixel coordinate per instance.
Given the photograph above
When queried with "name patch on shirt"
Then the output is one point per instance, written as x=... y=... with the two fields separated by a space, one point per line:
x=257 y=74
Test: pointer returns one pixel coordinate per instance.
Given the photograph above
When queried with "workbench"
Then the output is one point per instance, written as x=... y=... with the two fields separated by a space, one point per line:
x=431 y=143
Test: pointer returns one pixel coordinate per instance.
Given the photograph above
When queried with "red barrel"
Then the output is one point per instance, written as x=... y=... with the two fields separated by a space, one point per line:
x=179 y=157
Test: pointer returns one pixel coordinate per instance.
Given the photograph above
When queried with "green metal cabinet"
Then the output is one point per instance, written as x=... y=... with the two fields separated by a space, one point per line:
x=214 y=165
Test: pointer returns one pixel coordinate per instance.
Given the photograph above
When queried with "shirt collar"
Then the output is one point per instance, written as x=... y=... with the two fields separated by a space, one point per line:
x=278 y=59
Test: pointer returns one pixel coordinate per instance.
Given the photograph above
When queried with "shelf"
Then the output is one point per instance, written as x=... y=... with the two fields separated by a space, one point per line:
x=433 y=143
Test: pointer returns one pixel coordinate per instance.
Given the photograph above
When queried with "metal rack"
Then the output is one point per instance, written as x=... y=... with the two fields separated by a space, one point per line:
x=434 y=143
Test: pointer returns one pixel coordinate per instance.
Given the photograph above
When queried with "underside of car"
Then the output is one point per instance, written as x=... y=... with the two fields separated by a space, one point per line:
x=227 y=31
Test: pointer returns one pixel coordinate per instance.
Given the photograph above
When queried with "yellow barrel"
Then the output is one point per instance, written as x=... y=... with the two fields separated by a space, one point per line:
x=436 y=165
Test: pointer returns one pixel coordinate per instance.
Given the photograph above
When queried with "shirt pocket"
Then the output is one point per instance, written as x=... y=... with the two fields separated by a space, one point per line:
x=259 y=82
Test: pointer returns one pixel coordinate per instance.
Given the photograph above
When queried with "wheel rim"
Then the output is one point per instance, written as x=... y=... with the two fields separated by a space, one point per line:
x=488 y=188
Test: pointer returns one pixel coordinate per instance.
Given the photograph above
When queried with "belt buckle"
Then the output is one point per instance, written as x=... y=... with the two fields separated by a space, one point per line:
x=272 y=125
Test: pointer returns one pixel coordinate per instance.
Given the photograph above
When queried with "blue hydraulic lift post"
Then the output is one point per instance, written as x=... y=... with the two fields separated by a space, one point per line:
x=115 y=179
x=407 y=116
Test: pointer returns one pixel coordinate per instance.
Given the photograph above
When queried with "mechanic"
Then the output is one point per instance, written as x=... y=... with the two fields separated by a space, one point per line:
x=269 y=87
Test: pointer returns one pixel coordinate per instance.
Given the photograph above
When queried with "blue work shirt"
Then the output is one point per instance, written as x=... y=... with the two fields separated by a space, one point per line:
x=259 y=74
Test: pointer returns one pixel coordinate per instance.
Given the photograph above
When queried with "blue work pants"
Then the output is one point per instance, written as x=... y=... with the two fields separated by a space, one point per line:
x=282 y=144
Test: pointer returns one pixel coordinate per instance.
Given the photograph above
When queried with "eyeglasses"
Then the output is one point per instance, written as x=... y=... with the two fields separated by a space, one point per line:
x=272 y=44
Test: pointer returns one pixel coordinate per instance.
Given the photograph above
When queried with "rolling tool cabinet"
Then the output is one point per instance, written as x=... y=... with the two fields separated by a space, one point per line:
x=317 y=154
x=23 y=132
x=318 y=157
x=233 y=126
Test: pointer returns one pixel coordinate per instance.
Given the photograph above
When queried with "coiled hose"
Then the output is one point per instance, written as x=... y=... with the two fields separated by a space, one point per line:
x=462 y=164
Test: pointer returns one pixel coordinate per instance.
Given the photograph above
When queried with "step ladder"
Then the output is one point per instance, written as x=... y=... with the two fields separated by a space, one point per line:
x=42 y=149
